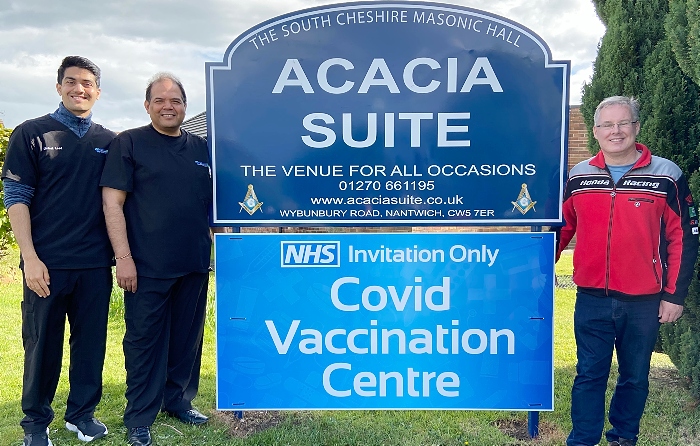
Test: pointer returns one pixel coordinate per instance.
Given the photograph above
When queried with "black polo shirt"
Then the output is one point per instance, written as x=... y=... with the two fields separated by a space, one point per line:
x=68 y=226
x=169 y=193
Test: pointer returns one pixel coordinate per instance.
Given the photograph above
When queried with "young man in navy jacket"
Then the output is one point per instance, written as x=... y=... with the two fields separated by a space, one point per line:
x=51 y=178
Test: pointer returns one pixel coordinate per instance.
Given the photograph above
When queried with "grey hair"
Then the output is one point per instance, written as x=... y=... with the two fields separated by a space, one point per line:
x=161 y=77
x=629 y=102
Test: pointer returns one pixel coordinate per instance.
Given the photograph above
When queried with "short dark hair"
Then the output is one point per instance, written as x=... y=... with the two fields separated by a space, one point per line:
x=161 y=77
x=80 y=62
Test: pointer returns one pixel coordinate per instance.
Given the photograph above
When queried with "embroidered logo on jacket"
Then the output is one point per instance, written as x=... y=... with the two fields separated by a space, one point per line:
x=595 y=182
x=654 y=185
x=203 y=164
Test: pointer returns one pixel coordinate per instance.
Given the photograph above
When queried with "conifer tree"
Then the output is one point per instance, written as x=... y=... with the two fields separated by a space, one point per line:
x=632 y=31
x=683 y=31
x=671 y=117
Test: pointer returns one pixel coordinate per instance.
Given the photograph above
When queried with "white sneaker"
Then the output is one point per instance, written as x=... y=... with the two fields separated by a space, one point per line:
x=88 y=430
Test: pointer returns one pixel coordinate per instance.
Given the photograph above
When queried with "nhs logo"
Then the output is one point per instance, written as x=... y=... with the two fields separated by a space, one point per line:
x=310 y=254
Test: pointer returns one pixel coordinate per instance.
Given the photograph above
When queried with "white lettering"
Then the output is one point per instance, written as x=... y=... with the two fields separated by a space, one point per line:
x=335 y=75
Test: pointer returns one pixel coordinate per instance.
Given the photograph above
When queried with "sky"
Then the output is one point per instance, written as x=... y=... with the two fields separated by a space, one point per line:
x=130 y=40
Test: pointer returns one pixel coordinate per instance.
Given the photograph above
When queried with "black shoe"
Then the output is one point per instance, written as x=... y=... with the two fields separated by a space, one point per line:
x=88 y=430
x=37 y=439
x=140 y=436
x=621 y=442
x=192 y=416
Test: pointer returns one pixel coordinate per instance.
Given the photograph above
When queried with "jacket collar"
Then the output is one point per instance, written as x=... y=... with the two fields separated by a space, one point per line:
x=76 y=124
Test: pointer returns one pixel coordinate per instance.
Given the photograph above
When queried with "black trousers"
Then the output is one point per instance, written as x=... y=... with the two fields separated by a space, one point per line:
x=83 y=296
x=163 y=345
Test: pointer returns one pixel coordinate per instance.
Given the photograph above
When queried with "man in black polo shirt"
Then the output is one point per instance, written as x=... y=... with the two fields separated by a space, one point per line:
x=156 y=196
x=51 y=179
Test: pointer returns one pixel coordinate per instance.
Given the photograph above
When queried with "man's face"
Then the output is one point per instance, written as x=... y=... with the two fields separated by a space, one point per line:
x=78 y=90
x=616 y=140
x=166 y=108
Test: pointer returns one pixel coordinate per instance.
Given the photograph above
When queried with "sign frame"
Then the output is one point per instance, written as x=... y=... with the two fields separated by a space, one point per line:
x=251 y=201
x=259 y=298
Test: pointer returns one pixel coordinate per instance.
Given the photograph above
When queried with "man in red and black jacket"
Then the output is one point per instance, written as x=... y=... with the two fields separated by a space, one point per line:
x=636 y=246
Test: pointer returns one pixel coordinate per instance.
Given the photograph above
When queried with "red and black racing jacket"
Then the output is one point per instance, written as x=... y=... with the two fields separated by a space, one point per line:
x=637 y=239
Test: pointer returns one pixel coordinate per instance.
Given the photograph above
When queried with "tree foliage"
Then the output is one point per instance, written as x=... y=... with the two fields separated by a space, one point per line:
x=681 y=340
x=6 y=237
x=638 y=57
x=683 y=30
x=670 y=113
x=630 y=38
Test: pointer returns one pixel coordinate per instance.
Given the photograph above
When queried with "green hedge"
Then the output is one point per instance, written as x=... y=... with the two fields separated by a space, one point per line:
x=6 y=237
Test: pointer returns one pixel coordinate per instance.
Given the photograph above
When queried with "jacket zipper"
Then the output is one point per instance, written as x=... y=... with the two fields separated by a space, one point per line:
x=646 y=200
x=607 y=242
x=656 y=275
x=613 y=194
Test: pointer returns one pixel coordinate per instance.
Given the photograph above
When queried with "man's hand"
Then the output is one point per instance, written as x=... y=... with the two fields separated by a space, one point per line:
x=669 y=312
x=113 y=207
x=126 y=274
x=36 y=275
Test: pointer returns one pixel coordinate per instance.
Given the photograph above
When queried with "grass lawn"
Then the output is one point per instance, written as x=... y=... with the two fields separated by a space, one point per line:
x=671 y=418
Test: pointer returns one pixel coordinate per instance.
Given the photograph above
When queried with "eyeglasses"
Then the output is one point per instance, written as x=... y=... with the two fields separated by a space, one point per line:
x=620 y=125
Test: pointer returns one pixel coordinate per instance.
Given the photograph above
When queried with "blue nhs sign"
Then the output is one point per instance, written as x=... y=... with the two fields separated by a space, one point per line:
x=310 y=254
x=459 y=321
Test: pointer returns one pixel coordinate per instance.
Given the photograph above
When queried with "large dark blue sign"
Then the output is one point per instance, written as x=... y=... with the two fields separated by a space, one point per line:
x=385 y=113
x=385 y=321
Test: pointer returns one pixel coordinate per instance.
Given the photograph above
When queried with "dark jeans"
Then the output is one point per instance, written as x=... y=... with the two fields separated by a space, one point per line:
x=599 y=325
